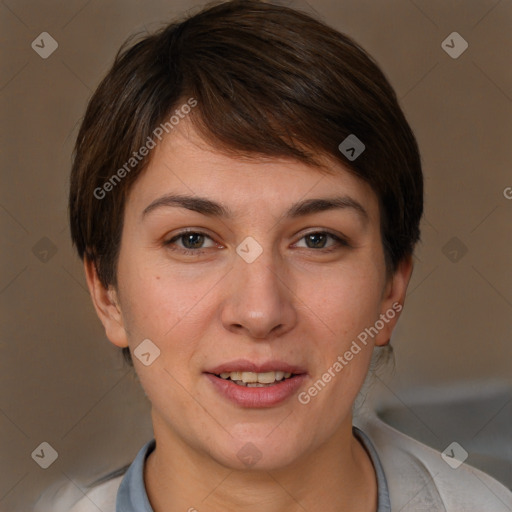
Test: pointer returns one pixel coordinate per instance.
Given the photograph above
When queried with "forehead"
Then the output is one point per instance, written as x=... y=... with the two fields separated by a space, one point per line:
x=183 y=163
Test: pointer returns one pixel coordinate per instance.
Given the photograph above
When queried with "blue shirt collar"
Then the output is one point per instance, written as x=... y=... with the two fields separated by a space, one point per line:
x=132 y=496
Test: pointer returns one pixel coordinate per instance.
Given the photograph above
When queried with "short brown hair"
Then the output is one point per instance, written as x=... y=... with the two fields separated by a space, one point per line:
x=267 y=80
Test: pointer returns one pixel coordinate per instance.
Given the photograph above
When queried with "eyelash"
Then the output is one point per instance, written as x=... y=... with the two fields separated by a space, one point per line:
x=340 y=242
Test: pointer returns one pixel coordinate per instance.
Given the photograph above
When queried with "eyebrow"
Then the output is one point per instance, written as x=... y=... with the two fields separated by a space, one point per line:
x=213 y=209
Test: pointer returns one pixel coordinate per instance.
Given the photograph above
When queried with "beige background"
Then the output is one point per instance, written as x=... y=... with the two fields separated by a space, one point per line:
x=61 y=380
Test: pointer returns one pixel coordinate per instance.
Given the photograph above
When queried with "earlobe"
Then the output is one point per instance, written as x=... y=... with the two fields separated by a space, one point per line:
x=106 y=304
x=393 y=299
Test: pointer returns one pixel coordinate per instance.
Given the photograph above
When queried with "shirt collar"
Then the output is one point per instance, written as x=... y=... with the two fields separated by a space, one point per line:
x=132 y=496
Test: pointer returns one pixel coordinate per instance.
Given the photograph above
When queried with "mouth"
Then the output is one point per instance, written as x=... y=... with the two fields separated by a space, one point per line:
x=256 y=385
x=256 y=380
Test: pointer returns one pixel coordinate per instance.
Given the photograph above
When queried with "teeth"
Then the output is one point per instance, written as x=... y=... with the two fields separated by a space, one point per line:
x=253 y=379
x=252 y=384
x=265 y=378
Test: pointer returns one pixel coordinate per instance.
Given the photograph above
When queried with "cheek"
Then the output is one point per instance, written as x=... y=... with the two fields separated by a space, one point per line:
x=347 y=300
x=162 y=310
x=166 y=307
x=149 y=307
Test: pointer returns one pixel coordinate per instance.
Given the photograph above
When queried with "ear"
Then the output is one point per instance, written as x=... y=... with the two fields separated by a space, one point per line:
x=107 y=306
x=393 y=299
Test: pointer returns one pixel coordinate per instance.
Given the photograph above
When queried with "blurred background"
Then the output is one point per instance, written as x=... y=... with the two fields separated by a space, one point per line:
x=63 y=383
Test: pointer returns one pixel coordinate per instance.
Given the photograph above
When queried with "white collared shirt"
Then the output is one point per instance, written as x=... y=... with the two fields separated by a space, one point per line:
x=416 y=478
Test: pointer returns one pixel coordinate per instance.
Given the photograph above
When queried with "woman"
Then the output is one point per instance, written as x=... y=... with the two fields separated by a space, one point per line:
x=246 y=196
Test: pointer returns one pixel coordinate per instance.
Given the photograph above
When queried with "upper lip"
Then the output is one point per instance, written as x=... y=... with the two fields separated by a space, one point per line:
x=244 y=365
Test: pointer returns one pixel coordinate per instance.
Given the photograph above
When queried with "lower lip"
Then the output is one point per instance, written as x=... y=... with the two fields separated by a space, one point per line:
x=267 y=396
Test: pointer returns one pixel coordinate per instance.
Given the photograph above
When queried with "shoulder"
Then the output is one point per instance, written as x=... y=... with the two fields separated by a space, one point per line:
x=67 y=497
x=419 y=479
x=103 y=493
x=102 y=497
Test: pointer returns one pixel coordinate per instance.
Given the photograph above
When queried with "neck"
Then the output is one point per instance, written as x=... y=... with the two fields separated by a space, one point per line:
x=336 y=476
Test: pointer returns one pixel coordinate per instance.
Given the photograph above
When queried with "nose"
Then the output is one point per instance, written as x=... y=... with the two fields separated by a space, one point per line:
x=259 y=300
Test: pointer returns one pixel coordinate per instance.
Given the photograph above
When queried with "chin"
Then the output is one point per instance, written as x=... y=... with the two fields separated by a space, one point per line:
x=259 y=452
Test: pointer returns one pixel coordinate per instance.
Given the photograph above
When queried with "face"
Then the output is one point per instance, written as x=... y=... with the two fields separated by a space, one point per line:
x=266 y=267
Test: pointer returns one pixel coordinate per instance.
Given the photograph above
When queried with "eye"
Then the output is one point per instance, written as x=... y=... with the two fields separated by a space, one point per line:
x=190 y=242
x=318 y=240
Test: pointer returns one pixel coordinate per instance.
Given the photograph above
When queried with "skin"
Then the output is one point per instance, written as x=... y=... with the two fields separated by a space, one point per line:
x=296 y=303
